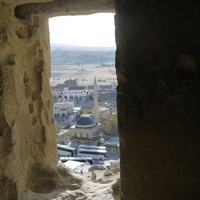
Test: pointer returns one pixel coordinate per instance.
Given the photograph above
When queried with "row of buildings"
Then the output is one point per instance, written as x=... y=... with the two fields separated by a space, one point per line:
x=78 y=92
x=65 y=96
x=69 y=92
x=87 y=126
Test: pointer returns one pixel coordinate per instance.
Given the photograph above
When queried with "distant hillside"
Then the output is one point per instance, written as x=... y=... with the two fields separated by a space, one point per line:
x=69 y=54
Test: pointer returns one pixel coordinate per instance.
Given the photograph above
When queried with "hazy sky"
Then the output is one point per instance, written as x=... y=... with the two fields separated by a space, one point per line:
x=84 y=30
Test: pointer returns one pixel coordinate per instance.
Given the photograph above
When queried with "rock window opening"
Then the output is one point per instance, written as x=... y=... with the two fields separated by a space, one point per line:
x=82 y=59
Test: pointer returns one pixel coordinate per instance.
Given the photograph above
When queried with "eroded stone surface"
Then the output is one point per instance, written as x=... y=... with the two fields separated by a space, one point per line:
x=26 y=125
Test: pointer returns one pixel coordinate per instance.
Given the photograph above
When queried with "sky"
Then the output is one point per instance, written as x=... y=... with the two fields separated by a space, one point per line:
x=83 y=30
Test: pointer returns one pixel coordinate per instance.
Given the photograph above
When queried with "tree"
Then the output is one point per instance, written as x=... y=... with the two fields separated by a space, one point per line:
x=84 y=112
x=110 y=125
x=71 y=82
x=58 y=128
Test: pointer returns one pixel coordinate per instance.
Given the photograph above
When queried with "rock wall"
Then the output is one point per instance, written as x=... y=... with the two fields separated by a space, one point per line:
x=27 y=135
x=158 y=70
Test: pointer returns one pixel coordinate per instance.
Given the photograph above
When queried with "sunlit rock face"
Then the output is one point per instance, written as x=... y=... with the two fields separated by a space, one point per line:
x=26 y=123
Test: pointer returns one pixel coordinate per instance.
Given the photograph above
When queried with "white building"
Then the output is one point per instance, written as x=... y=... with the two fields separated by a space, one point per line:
x=85 y=127
x=56 y=92
x=63 y=108
x=75 y=92
x=72 y=92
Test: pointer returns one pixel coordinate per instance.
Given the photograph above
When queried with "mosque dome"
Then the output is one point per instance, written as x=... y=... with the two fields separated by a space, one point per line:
x=85 y=121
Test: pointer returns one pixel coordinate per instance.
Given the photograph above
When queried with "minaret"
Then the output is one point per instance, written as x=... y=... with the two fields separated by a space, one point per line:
x=95 y=97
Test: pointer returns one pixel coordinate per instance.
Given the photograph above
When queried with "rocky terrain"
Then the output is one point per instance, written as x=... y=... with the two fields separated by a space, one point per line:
x=71 y=185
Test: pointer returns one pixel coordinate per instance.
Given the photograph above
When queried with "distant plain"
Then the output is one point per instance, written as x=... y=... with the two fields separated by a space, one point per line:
x=82 y=64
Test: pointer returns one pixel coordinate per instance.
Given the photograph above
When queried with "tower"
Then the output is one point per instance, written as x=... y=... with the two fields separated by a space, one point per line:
x=95 y=97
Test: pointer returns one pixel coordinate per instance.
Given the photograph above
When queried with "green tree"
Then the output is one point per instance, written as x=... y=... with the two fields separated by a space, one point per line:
x=71 y=82
x=84 y=112
x=58 y=128
x=110 y=125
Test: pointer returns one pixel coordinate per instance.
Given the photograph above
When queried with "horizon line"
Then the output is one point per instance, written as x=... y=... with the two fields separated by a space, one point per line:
x=77 y=45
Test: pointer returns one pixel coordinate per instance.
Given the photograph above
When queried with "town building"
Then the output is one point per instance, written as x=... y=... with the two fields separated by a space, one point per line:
x=63 y=108
x=95 y=97
x=71 y=92
x=85 y=128
x=103 y=112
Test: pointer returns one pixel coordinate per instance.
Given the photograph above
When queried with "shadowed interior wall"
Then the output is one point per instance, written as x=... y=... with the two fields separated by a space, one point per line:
x=158 y=74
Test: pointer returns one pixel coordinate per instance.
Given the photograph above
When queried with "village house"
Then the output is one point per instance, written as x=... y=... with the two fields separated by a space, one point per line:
x=63 y=108
x=71 y=92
